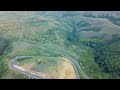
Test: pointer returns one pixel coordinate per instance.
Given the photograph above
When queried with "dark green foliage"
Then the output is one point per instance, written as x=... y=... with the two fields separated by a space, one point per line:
x=82 y=24
x=3 y=67
x=107 y=54
x=4 y=49
x=21 y=76
x=73 y=37
x=3 y=45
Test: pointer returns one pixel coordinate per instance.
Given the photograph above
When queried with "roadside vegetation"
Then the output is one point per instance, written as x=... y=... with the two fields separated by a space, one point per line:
x=54 y=38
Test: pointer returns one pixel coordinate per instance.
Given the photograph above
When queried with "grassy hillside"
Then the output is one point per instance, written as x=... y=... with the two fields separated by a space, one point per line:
x=52 y=38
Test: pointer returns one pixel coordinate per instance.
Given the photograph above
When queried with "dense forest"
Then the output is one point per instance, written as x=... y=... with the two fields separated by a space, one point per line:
x=106 y=54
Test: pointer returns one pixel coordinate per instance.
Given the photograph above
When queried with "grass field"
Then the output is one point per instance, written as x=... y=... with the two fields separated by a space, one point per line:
x=49 y=67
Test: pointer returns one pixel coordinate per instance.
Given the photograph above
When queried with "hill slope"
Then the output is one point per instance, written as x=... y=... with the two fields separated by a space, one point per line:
x=90 y=40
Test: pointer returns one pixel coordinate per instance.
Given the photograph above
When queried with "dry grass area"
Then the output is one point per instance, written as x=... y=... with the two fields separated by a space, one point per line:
x=66 y=70
x=62 y=70
x=9 y=25
x=28 y=67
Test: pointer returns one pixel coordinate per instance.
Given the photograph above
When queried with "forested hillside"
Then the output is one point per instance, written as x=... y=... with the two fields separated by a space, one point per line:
x=61 y=44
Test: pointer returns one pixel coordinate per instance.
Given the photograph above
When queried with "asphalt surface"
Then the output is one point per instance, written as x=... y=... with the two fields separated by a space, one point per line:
x=11 y=65
x=73 y=61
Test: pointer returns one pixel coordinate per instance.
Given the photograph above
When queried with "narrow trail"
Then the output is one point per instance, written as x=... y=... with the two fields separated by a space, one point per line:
x=21 y=34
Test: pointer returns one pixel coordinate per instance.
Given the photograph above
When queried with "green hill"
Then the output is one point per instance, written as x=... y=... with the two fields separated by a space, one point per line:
x=54 y=39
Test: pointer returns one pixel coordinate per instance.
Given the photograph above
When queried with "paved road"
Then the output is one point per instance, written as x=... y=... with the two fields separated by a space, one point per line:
x=11 y=65
x=75 y=68
x=78 y=66
x=73 y=60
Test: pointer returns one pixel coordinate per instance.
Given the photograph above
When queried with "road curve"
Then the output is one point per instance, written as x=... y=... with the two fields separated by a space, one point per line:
x=72 y=59
x=11 y=65
x=75 y=68
x=76 y=63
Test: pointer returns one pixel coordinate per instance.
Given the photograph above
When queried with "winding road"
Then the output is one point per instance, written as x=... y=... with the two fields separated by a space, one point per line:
x=72 y=60
x=11 y=65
